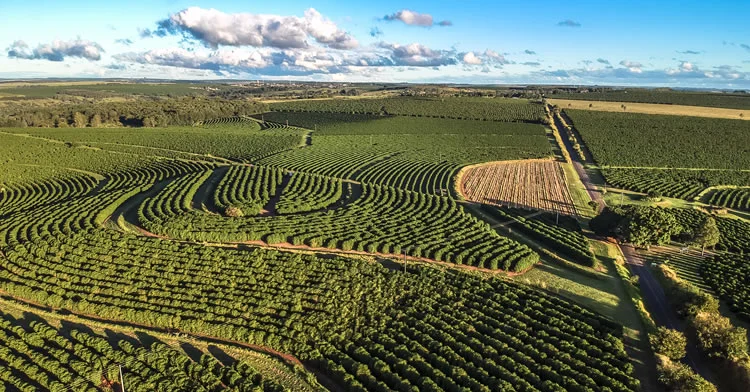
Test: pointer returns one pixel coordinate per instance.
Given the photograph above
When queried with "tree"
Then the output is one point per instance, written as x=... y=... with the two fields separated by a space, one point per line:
x=718 y=337
x=679 y=377
x=96 y=121
x=707 y=234
x=654 y=195
x=668 y=342
x=80 y=120
x=646 y=226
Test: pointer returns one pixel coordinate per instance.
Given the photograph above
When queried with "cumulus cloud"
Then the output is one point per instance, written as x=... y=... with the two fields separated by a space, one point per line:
x=57 y=50
x=632 y=65
x=495 y=57
x=214 y=28
x=124 y=41
x=568 y=23
x=529 y=52
x=416 y=54
x=532 y=63
x=412 y=18
x=745 y=46
x=471 y=59
x=689 y=52
x=602 y=61
x=376 y=32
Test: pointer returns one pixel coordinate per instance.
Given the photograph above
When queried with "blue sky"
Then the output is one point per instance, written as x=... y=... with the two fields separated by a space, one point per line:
x=654 y=43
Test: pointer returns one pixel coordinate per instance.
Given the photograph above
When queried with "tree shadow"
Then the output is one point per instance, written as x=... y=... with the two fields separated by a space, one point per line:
x=193 y=352
x=221 y=355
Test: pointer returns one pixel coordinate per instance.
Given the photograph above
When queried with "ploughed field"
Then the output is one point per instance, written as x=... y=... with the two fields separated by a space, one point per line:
x=532 y=184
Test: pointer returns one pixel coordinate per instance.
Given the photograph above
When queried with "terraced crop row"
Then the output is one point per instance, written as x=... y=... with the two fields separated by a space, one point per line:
x=248 y=188
x=737 y=198
x=31 y=194
x=234 y=122
x=307 y=192
x=383 y=219
x=36 y=357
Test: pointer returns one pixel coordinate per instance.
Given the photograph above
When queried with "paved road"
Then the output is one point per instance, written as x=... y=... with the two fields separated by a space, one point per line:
x=653 y=294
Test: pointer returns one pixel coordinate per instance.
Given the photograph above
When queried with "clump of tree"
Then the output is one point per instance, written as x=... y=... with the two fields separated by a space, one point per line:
x=670 y=343
x=145 y=112
x=638 y=225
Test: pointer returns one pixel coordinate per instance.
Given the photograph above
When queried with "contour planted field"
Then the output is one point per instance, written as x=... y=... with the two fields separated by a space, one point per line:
x=381 y=219
x=493 y=109
x=737 y=198
x=78 y=235
x=533 y=184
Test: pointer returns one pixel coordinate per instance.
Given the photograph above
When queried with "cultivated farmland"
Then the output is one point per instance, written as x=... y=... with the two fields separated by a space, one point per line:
x=532 y=184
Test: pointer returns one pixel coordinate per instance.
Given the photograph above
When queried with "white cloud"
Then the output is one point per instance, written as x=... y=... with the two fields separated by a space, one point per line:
x=213 y=28
x=57 y=50
x=632 y=66
x=412 y=18
x=472 y=59
x=416 y=54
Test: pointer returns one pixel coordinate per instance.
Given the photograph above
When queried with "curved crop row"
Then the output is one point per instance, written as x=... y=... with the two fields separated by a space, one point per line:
x=248 y=188
x=737 y=198
x=33 y=194
x=384 y=219
x=306 y=192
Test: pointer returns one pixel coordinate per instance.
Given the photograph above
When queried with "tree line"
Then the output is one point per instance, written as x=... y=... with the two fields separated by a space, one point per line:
x=146 y=112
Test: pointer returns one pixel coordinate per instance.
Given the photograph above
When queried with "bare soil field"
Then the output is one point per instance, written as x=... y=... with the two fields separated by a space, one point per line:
x=534 y=183
x=651 y=108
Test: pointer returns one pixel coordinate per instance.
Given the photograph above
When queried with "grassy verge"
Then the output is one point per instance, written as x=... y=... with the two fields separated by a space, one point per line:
x=578 y=192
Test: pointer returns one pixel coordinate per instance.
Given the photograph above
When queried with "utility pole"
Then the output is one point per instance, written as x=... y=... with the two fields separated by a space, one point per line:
x=404 y=260
x=122 y=379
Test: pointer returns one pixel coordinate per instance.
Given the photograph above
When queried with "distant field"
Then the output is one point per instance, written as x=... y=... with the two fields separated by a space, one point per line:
x=684 y=98
x=524 y=184
x=493 y=109
x=368 y=124
x=98 y=90
x=641 y=140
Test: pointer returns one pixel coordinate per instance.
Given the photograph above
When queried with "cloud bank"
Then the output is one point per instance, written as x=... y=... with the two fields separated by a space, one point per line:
x=213 y=28
x=57 y=50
